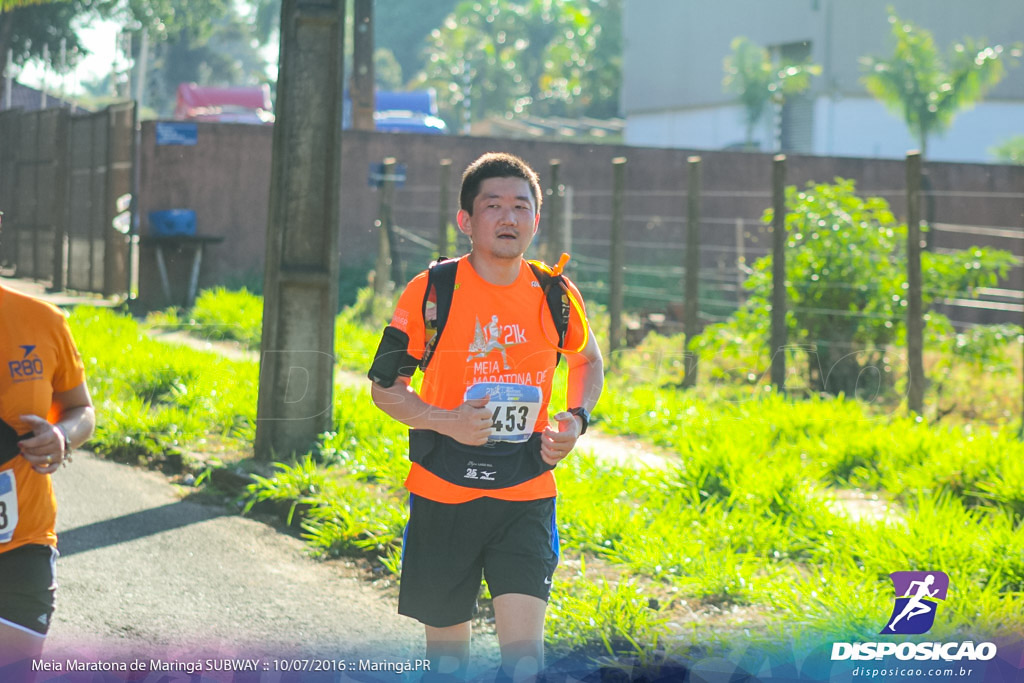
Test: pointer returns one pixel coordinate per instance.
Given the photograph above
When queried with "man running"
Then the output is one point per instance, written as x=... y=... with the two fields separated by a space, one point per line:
x=482 y=494
x=45 y=412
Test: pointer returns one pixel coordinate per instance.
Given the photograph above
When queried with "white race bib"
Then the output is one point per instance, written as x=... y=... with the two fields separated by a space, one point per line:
x=514 y=408
x=8 y=505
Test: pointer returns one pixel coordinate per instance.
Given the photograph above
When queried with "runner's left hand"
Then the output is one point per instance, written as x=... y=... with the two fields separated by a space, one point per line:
x=45 y=448
x=556 y=445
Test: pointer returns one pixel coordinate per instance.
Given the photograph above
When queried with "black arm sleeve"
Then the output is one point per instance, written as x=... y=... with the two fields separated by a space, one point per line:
x=392 y=358
x=9 y=442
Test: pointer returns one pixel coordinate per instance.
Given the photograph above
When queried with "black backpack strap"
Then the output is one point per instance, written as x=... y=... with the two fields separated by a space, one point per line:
x=554 y=289
x=437 y=302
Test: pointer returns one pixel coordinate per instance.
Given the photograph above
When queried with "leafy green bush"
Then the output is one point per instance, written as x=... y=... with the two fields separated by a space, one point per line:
x=846 y=286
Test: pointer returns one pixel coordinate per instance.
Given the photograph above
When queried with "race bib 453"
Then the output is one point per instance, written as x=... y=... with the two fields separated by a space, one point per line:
x=514 y=408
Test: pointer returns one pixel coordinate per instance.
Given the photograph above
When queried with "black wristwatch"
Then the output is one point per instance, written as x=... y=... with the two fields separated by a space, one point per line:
x=584 y=416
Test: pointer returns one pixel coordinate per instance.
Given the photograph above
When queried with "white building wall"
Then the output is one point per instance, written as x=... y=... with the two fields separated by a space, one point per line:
x=858 y=127
x=864 y=127
x=705 y=128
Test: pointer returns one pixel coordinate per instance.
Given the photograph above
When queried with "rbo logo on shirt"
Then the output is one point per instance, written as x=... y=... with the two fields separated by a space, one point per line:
x=28 y=368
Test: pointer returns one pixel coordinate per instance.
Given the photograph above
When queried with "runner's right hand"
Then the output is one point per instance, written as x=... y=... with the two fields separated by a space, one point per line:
x=472 y=423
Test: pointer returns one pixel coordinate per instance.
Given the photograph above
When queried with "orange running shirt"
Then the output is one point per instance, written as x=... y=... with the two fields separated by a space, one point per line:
x=493 y=334
x=37 y=358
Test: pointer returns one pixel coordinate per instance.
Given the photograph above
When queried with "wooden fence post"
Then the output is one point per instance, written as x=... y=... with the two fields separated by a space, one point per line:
x=779 y=333
x=741 y=261
x=443 y=217
x=915 y=318
x=61 y=165
x=616 y=276
x=383 y=273
x=691 y=288
x=554 y=242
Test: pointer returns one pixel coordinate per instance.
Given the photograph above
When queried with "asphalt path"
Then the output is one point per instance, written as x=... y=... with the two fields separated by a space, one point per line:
x=147 y=573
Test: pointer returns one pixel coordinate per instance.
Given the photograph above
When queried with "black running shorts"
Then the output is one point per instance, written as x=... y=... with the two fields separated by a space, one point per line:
x=449 y=547
x=27 y=585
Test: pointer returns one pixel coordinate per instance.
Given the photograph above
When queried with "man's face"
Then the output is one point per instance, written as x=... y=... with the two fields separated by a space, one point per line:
x=504 y=218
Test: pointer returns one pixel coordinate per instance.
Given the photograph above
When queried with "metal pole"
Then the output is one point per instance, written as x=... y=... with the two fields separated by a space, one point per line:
x=915 y=318
x=692 y=270
x=779 y=333
x=140 y=76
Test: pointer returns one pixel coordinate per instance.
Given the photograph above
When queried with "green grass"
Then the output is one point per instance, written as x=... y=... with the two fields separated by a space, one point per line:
x=220 y=314
x=154 y=400
x=718 y=532
x=744 y=522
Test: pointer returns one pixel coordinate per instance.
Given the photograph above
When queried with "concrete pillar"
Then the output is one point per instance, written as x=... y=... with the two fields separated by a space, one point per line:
x=301 y=279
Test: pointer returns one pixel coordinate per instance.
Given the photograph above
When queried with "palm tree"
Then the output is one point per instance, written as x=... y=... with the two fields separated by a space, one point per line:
x=1010 y=151
x=927 y=91
x=762 y=83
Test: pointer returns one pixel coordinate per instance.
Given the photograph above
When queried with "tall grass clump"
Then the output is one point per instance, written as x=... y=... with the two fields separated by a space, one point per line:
x=217 y=314
x=349 y=493
x=225 y=314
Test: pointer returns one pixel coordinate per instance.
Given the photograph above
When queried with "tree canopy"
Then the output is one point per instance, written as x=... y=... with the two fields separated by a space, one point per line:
x=505 y=57
x=218 y=50
x=406 y=33
x=31 y=28
x=925 y=89
x=209 y=42
x=512 y=57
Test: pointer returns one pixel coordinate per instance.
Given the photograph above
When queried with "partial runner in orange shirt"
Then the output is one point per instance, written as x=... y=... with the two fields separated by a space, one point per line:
x=45 y=412
x=482 y=444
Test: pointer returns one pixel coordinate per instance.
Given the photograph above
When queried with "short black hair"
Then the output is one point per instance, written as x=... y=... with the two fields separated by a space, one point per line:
x=496 y=165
